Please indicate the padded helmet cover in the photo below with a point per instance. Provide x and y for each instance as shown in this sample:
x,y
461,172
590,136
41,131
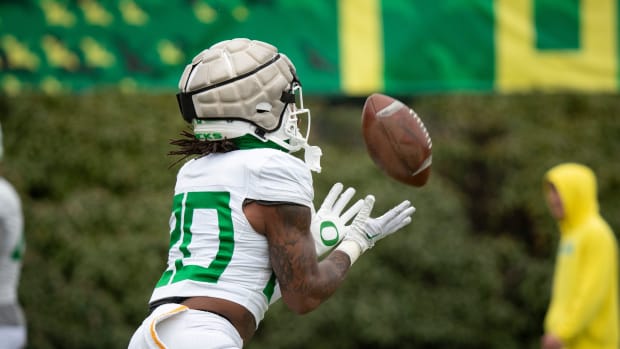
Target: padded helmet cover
x,y
238,79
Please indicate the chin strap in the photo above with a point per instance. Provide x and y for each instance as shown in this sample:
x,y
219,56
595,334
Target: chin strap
x,y
312,157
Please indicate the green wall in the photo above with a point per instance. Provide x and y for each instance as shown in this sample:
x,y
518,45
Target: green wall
x,y
344,47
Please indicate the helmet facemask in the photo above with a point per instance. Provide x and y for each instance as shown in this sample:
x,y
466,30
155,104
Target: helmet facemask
x,y
294,130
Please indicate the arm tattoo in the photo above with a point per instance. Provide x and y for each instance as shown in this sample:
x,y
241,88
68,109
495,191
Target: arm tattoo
x,y
294,259
286,248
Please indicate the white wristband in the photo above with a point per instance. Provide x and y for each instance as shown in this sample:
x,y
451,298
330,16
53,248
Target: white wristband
x,y
351,248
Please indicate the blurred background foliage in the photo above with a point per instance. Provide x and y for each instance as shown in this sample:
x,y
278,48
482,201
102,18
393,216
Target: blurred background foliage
x,y
472,271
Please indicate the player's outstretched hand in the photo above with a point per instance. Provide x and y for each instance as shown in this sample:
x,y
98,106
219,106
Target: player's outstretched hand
x,y
365,231
328,225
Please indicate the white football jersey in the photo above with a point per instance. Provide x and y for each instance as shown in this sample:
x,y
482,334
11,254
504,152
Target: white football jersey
x,y
214,251
11,242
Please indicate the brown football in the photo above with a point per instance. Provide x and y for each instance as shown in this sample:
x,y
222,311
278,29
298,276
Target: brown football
x,y
396,139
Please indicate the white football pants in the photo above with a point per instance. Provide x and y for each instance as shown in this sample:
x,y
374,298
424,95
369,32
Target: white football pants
x,y
12,337
175,326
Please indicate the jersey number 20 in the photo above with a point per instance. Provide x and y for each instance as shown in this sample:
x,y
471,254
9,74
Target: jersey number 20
x,y
183,208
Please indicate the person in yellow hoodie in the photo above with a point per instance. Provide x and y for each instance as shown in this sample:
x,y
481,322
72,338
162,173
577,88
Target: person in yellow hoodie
x,y
583,312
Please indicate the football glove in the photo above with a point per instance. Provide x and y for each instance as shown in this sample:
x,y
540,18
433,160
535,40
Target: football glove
x,y
364,232
328,226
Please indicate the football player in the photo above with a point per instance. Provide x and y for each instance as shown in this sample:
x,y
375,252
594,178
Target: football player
x,y
243,229
12,245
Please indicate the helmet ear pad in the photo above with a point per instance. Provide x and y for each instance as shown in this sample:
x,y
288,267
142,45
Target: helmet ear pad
x,y
238,79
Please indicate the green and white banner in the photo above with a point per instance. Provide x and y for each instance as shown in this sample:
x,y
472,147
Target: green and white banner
x,y
340,47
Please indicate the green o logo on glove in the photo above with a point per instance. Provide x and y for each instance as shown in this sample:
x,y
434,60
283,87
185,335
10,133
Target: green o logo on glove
x,y
329,233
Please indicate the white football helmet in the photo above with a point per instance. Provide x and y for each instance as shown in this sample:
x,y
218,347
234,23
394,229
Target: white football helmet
x,y
244,87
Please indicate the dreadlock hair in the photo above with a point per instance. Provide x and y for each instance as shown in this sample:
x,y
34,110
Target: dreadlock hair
x,y
189,145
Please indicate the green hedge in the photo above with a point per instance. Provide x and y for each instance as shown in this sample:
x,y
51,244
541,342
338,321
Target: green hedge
x,y
472,270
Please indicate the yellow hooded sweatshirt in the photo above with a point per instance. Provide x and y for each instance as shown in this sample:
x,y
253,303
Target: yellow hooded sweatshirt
x,y
584,302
